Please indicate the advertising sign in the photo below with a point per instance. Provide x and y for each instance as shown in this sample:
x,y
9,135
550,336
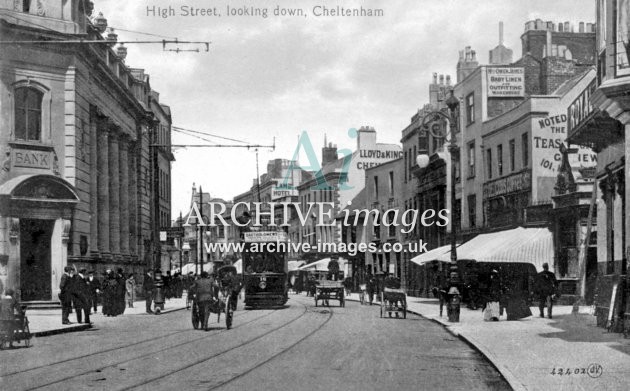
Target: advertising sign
x,y
265,236
279,192
505,82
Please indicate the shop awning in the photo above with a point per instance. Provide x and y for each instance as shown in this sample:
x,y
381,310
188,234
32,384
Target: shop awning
x,y
322,265
431,255
527,245
239,266
294,265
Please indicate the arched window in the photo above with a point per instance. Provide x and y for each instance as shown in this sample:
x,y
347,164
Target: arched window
x,y
28,114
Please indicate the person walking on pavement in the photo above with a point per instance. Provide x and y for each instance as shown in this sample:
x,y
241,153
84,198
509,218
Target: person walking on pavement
x,y
65,294
94,286
130,286
147,288
204,291
9,308
371,286
121,292
492,311
545,289
81,297
110,287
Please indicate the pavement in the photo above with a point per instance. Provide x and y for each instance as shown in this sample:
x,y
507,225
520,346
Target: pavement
x,y
568,352
48,322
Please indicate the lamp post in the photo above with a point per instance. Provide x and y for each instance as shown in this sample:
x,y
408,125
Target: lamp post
x,y
423,160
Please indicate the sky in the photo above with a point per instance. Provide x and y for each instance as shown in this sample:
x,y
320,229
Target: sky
x,y
279,76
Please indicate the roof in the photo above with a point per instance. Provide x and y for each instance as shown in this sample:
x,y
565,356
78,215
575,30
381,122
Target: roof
x,y
519,245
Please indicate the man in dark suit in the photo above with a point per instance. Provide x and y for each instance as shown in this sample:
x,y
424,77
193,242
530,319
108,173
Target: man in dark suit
x,y
65,294
94,288
147,287
81,296
545,288
204,290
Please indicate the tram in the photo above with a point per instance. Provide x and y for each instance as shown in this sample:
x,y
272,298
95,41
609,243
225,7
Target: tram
x,y
265,268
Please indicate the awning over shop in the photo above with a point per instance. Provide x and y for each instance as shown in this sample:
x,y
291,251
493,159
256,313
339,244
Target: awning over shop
x,y
431,255
322,265
239,266
528,245
295,265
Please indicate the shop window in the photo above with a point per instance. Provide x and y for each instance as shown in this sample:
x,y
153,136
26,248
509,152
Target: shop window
x,y
28,114
470,108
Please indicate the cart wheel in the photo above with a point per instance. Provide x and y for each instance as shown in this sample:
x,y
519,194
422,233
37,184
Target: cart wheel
x,y
229,312
195,316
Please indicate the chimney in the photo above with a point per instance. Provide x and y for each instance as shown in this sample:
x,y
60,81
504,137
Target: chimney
x,y
567,27
581,27
474,55
435,73
500,33
448,80
329,153
441,80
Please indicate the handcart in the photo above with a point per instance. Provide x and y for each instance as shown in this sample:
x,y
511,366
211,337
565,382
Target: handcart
x,y
393,301
327,290
15,331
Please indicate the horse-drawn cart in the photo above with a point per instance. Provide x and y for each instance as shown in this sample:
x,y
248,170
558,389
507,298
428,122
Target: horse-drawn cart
x,y
327,290
393,301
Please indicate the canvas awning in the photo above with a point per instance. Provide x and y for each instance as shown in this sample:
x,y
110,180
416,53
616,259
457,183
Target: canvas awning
x,y
239,266
322,265
295,265
431,255
526,245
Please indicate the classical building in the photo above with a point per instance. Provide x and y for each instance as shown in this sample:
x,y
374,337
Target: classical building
x,y
76,182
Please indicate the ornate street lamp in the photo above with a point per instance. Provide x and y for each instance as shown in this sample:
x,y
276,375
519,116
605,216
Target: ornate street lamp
x,y
423,160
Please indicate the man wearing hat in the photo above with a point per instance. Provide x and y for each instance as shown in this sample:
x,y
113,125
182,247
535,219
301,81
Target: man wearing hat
x,y
94,288
147,288
545,288
204,292
65,294
81,296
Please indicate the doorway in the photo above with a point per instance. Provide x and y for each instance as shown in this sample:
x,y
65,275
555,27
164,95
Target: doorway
x,y
35,259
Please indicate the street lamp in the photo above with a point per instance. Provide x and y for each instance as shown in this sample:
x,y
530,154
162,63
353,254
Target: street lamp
x,y
423,159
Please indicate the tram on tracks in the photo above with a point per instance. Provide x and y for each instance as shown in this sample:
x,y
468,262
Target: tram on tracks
x,y
265,268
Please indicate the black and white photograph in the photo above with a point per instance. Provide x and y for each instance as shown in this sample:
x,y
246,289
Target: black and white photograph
x,y
314,195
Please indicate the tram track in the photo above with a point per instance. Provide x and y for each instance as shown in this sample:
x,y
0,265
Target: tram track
x,y
215,355
127,346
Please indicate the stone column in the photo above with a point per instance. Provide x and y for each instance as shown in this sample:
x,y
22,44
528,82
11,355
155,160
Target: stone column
x,y
124,195
93,187
103,191
133,200
114,193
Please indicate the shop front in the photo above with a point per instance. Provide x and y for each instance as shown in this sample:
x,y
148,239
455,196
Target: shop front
x,y
35,221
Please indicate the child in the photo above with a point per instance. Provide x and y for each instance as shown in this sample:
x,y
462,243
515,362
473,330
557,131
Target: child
x,y
9,307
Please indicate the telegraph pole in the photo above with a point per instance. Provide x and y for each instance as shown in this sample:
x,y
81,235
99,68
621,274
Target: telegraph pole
x,y
200,240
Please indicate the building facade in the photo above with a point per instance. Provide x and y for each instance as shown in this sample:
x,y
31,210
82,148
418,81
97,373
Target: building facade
x,y
75,184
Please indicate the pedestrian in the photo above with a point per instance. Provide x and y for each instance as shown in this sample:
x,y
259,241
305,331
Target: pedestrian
x,y
9,308
492,311
121,292
371,287
94,289
168,285
204,291
516,294
545,289
65,294
147,288
110,287
130,294
81,297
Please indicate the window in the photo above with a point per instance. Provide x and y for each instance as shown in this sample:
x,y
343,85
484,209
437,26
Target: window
x,y
525,150
391,183
489,162
500,159
472,210
375,188
391,231
512,154
28,114
470,108
471,159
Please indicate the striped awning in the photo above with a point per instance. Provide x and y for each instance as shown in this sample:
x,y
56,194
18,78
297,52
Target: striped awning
x,y
431,255
519,245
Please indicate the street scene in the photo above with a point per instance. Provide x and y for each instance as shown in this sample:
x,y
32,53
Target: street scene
x,y
314,195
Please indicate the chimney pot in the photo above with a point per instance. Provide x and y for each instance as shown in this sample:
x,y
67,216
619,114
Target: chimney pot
x,y
581,27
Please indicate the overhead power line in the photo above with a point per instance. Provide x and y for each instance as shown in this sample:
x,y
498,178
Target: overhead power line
x,y
80,41
207,134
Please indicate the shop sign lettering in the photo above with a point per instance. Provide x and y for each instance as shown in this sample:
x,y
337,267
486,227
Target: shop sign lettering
x,y
507,185
31,159
505,82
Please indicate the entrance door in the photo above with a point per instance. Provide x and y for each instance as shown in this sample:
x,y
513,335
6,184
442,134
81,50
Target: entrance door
x,y
35,262
591,274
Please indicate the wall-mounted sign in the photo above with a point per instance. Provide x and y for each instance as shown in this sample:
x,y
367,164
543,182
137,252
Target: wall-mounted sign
x,y
505,82
31,159
581,107
279,192
513,183
265,236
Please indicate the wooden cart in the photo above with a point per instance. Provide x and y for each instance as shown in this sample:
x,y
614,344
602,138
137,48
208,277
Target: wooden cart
x,y
393,301
327,290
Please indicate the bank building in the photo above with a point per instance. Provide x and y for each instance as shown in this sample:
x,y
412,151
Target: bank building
x,y
80,181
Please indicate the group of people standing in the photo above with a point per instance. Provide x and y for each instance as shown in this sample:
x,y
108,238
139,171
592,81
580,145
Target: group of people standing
x,y
118,292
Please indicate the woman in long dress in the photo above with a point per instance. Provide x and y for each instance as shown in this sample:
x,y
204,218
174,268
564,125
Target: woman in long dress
x,y
110,289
